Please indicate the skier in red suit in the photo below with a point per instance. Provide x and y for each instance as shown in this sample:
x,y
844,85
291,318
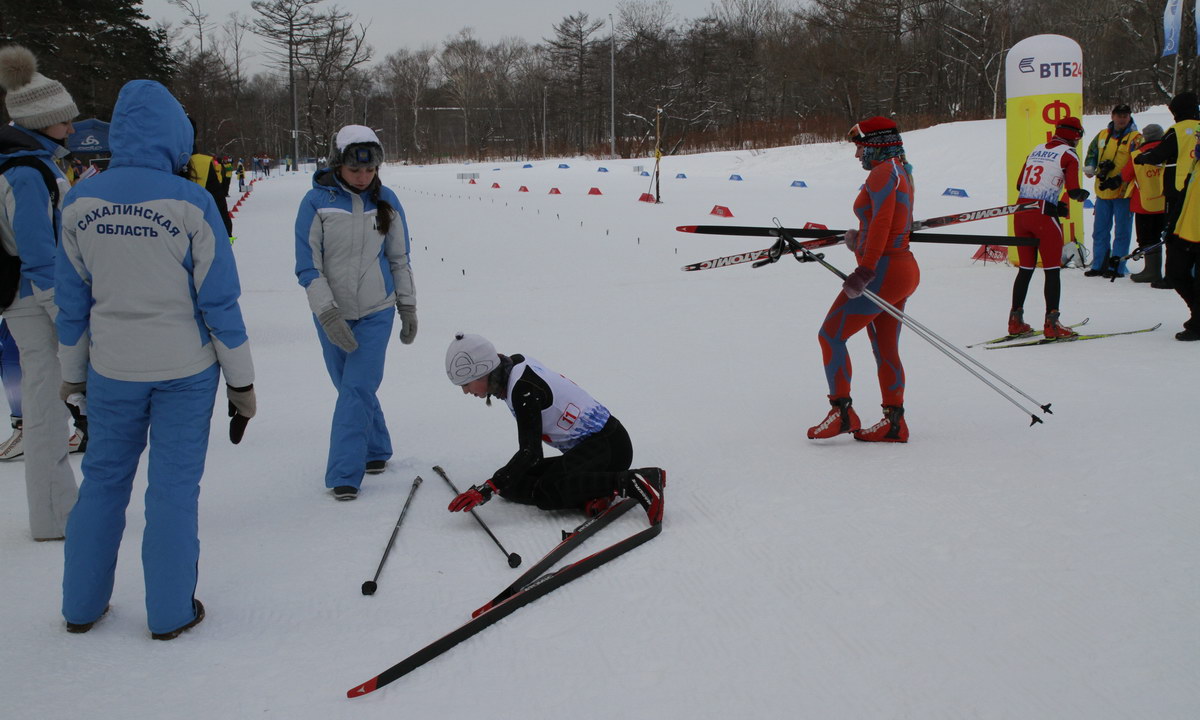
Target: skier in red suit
x,y
1049,169
887,268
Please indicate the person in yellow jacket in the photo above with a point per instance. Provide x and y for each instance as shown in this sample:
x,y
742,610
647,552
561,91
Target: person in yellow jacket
x,y
1174,154
1148,202
1107,155
1183,257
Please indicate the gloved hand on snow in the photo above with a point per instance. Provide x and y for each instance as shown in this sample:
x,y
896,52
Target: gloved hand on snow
x,y
472,498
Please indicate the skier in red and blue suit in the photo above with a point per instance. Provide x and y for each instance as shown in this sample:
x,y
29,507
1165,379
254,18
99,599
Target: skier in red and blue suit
x,y
887,268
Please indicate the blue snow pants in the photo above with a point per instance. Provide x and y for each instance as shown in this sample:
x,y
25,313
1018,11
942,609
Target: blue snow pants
x,y
359,433
1111,216
176,414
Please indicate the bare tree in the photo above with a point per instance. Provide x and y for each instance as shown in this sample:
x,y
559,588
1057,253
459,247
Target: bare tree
x,y
286,26
462,67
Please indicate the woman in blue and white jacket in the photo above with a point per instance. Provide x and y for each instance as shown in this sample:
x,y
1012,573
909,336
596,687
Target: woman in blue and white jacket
x,y
352,258
148,320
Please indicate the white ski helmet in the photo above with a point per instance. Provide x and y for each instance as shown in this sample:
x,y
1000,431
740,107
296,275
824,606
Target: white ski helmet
x,y
470,357
355,146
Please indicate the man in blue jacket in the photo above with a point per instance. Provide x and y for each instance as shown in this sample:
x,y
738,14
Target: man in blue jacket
x,y
31,189
146,273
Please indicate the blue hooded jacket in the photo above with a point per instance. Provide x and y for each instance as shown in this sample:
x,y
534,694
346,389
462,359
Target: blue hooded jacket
x,y
146,267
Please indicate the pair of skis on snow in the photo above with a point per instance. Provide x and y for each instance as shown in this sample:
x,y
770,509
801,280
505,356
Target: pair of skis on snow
x,y
1036,337
531,585
824,237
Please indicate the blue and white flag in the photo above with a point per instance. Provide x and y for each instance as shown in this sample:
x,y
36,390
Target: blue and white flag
x,y
1171,27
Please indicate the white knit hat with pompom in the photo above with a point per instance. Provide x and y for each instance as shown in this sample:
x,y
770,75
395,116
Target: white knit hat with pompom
x,y
33,100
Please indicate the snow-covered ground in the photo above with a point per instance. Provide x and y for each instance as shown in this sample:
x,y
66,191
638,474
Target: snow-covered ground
x,y
987,569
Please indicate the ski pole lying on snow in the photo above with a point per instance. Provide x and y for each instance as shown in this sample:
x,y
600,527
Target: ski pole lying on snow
x,y
949,350
513,559
369,587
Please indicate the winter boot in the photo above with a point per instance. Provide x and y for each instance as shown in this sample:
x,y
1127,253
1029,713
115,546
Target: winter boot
x,y
1163,283
10,449
180,630
1055,330
1153,269
375,467
891,428
841,419
79,628
345,492
596,506
646,486
1016,322
77,443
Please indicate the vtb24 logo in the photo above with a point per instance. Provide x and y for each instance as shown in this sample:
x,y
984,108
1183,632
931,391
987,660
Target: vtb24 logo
x,y
1065,68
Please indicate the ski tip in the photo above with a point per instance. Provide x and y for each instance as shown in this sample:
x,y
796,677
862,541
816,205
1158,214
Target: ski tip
x,y
359,691
482,610
686,228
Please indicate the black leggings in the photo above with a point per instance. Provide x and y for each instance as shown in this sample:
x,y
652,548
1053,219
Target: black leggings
x,y
593,468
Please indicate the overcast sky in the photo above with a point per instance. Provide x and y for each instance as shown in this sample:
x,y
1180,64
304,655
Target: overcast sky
x,y
395,25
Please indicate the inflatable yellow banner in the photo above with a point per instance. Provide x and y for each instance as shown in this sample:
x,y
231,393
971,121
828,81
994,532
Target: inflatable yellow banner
x,y
1044,83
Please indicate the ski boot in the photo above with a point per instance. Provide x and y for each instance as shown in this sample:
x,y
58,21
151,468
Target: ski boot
x,y
1054,330
841,419
891,428
646,486
1016,322
10,449
77,443
596,506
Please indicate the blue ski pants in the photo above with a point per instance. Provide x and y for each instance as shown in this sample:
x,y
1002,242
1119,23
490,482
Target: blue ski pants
x,y
176,415
359,433
1115,217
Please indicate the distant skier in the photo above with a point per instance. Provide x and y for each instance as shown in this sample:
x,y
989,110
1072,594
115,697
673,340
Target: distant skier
x,y
886,268
1051,167
593,469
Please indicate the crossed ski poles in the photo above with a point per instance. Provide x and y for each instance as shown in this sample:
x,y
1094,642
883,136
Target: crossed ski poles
x,y
789,244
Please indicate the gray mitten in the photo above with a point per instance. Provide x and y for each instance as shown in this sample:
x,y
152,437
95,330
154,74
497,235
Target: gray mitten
x,y
336,329
408,323
67,389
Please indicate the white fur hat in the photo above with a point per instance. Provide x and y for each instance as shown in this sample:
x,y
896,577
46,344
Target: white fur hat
x,y
470,357
34,100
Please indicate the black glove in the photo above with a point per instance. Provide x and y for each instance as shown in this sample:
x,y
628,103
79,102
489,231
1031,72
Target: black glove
x,y
1078,194
242,407
1064,209
1105,167
1141,159
1111,183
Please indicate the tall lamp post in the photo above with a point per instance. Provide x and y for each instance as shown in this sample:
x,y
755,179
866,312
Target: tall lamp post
x,y
612,87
